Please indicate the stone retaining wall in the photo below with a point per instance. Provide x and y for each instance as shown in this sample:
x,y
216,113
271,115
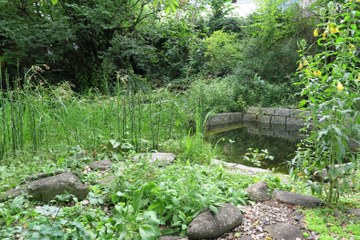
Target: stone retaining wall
x,y
281,122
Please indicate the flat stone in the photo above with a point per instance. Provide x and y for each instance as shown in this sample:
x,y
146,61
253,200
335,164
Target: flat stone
x,y
258,192
240,168
48,211
284,231
208,225
46,189
159,158
296,199
102,165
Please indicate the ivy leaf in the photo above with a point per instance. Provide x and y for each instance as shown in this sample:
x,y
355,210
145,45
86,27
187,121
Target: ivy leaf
x,y
54,2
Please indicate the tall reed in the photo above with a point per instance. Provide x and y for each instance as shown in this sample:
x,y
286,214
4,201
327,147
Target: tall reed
x,y
38,117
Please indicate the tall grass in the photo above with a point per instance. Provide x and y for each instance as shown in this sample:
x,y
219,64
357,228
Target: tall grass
x,y
37,117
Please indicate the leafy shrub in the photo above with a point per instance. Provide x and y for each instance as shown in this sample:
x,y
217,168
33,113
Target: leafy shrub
x,y
222,53
330,81
258,92
217,95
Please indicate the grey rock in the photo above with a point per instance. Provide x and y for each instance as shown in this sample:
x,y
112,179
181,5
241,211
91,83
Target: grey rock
x,y
355,212
239,168
296,199
102,165
208,225
258,192
158,158
46,189
48,211
13,193
284,231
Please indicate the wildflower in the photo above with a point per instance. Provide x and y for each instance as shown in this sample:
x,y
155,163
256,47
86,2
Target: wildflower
x,y
334,29
316,32
300,66
352,47
317,73
340,87
305,62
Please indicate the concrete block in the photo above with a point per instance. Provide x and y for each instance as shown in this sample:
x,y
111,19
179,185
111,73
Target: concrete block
x,y
295,121
264,119
249,117
236,117
278,127
268,111
276,120
282,112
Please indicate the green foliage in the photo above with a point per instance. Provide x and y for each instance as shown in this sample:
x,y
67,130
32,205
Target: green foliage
x,y
217,95
270,41
174,199
330,81
222,53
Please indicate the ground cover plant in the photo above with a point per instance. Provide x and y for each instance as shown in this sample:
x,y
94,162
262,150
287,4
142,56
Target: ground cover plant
x,y
86,81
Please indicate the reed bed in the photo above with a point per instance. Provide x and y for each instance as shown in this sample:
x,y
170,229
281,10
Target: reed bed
x,y
38,117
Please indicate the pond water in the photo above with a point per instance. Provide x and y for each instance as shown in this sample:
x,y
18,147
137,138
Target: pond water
x,y
235,140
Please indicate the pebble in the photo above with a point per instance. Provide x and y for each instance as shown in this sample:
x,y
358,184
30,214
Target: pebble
x,y
260,215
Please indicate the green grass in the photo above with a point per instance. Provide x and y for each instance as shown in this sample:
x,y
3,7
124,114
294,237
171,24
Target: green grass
x,y
332,224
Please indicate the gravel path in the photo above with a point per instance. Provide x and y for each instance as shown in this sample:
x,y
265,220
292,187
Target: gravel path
x,y
260,215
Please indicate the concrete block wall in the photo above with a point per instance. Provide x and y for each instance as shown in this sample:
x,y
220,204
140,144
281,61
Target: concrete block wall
x,y
280,122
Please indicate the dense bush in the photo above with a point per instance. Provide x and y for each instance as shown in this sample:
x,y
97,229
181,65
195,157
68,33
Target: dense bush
x,y
215,96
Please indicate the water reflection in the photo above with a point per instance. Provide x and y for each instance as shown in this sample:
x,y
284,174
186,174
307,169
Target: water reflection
x,y
235,140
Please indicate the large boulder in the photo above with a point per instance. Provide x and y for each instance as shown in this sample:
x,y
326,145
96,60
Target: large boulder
x,y
258,192
296,199
284,231
46,189
208,225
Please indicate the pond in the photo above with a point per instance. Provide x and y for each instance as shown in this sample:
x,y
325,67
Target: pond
x,y
235,140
